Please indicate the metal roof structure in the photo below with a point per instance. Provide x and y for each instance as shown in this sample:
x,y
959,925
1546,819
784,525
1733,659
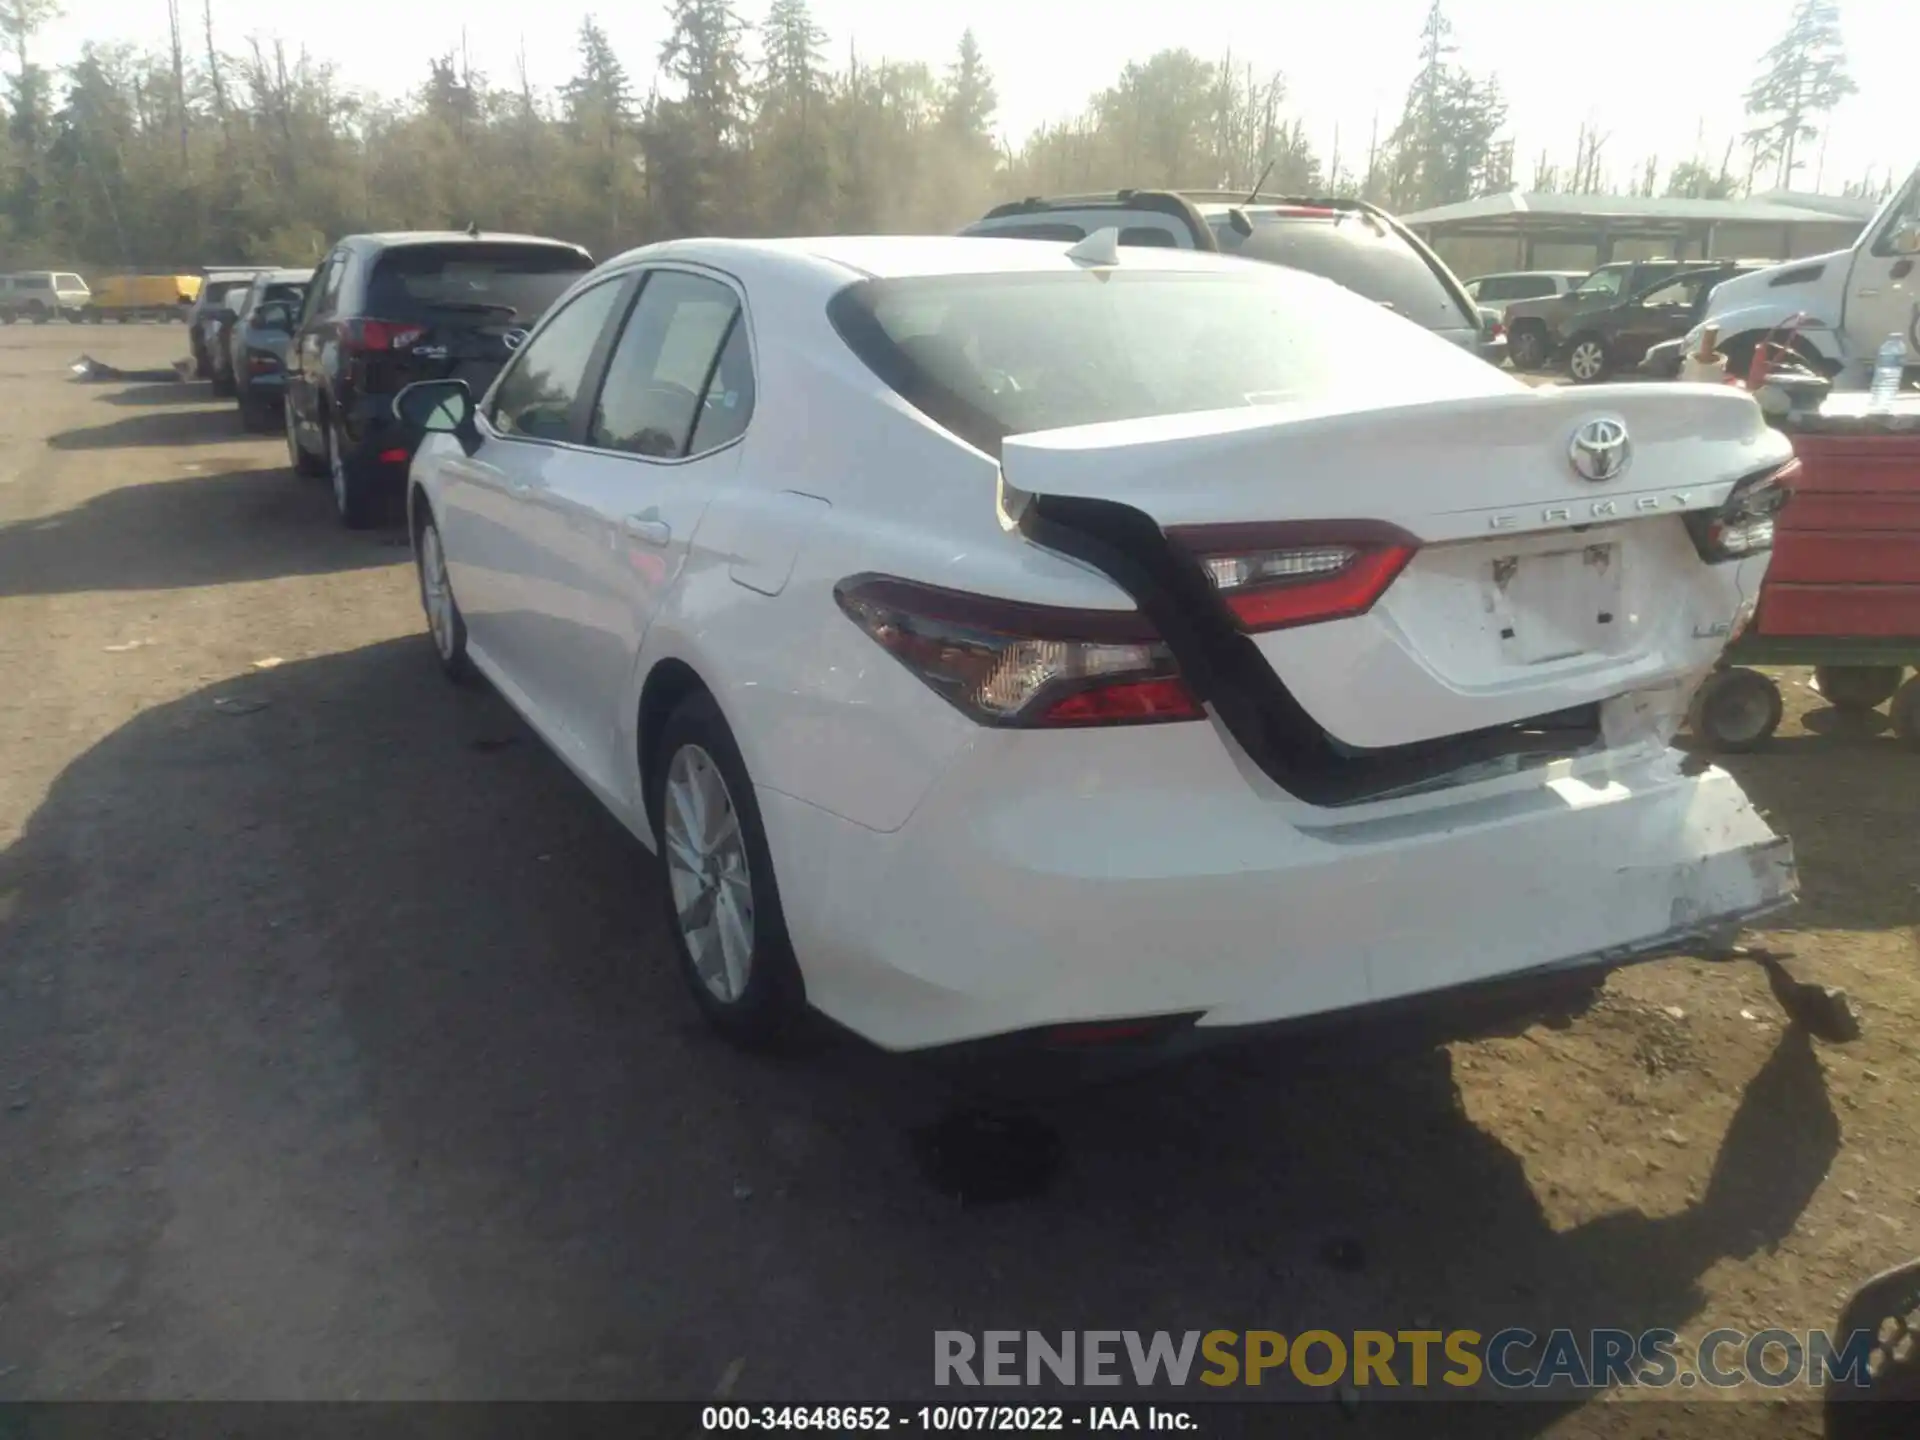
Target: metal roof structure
x,y
1778,208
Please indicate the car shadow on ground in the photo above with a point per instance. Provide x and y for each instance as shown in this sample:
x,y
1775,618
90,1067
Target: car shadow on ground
x,y
374,1006
191,531
168,392
204,426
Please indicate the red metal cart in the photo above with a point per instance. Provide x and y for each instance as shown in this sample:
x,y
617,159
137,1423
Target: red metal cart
x,y
1843,591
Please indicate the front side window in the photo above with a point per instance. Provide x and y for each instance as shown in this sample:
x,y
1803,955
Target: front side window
x,y
1900,232
680,381
1600,283
535,399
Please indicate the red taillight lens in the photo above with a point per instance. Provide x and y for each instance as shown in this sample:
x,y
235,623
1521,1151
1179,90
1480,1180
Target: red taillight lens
x,y
1743,526
377,335
1007,663
1274,576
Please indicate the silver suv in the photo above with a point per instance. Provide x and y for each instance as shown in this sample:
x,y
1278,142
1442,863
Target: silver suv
x,y
40,295
1347,241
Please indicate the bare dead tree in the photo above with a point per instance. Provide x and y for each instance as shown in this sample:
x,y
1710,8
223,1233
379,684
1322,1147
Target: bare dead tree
x,y
179,77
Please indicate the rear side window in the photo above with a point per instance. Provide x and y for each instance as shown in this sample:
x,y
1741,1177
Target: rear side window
x,y
1036,230
535,398
1355,251
679,381
439,282
69,282
988,356
223,292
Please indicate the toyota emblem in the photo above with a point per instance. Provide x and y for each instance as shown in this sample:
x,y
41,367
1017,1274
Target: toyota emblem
x,y
514,339
1601,451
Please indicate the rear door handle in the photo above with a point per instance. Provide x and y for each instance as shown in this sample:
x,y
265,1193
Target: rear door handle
x,y
648,530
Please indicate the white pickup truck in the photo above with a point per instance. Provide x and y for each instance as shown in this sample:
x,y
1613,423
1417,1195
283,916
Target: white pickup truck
x,y
1853,299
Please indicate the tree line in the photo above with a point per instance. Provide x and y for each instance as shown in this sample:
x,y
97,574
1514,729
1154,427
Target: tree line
x,y
202,153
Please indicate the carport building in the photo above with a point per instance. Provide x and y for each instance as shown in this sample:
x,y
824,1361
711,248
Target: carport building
x,y
1519,231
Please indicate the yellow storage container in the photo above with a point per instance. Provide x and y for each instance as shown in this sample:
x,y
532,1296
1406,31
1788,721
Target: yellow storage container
x,y
142,297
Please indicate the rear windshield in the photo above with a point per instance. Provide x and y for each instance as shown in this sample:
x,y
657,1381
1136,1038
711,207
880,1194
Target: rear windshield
x,y
1354,251
510,282
989,356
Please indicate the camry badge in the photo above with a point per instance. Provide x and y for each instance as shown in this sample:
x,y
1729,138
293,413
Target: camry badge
x,y
1600,451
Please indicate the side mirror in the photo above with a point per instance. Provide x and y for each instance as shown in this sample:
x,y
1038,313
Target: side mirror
x,y
439,407
1906,237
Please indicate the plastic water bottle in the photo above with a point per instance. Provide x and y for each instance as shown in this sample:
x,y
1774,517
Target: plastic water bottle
x,y
1889,368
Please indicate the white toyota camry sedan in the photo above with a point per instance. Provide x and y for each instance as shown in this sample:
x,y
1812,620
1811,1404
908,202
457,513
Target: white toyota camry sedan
x,y
1001,641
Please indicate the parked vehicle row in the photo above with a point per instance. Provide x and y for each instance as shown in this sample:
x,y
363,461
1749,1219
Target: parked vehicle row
x,y
1098,600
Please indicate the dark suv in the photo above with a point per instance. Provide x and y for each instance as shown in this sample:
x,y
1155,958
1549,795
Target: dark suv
x,y
1347,241
1619,336
1538,330
386,310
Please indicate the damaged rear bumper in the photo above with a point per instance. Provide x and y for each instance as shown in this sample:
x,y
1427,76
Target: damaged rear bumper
x,y
1147,872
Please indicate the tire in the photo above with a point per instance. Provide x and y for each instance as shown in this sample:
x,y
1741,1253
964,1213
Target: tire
x,y
1587,362
306,466
1527,347
1735,711
446,626
716,863
353,495
1905,712
38,316
1857,688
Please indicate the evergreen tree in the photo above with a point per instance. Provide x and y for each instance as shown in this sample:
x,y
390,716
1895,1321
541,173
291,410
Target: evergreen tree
x,y
1804,80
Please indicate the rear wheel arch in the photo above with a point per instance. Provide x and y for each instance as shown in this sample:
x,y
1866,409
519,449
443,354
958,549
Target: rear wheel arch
x,y
668,684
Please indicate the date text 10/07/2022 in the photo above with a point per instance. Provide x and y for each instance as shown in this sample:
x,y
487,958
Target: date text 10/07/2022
x,y
940,1419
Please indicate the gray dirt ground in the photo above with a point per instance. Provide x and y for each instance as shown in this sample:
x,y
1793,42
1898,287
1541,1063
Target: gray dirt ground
x,y
340,1055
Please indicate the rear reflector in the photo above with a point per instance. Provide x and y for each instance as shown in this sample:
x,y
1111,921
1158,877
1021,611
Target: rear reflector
x,y
1274,576
396,456
1011,664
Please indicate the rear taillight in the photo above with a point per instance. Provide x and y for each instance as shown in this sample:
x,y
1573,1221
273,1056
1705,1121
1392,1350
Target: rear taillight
x,y
1274,576
1743,526
380,335
1008,663
259,364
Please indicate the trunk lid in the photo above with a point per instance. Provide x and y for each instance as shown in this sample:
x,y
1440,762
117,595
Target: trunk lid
x,y
1534,590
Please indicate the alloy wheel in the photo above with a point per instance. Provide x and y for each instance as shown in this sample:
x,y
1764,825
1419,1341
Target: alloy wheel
x,y
436,594
1586,360
707,867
